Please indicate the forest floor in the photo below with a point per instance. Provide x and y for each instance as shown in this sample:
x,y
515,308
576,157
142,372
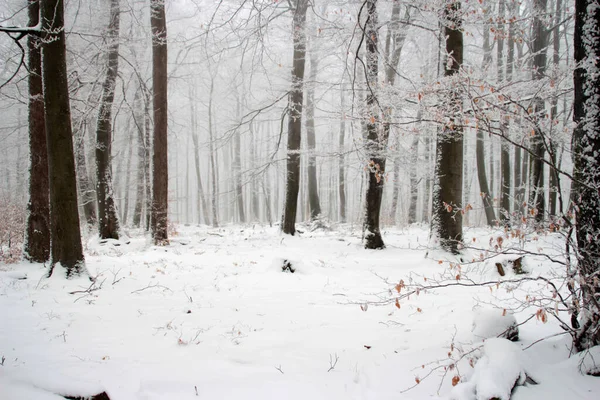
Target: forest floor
x,y
213,316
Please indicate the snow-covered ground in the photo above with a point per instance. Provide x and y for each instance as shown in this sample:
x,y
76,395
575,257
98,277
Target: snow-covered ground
x,y
212,316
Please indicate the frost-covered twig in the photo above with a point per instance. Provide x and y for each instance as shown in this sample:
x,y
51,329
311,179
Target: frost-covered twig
x,y
333,360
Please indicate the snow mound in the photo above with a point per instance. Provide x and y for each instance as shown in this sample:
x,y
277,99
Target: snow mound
x,y
496,373
491,323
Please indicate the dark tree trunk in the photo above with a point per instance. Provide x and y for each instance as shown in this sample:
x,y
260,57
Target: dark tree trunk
x,y
540,46
292,187
65,237
554,177
484,189
37,234
313,191
160,175
108,224
586,146
447,192
504,211
376,140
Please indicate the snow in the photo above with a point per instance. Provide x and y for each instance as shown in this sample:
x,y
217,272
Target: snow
x,y
496,373
490,323
213,316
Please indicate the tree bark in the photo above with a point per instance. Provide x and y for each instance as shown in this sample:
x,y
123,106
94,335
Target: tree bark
x,y
376,140
540,46
313,191
108,223
87,192
213,164
414,183
554,176
341,158
447,192
237,167
160,186
586,147
65,237
37,233
504,126
484,189
138,119
292,187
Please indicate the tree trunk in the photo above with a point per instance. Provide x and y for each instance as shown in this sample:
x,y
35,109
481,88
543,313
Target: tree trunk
x,y
376,140
341,157
396,182
586,146
37,234
447,192
128,172
313,192
213,164
414,183
160,186
147,159
292,187
108,224
484,189
202,204
539,49
427,192
237,168
65,237
86,190
138,118
504,211
554,177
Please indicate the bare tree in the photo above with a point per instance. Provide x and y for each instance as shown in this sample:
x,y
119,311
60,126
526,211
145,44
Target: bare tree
x,y
484,189
504,145
108,224
65,237
447,191
37,239
160,163
537,196
375,140
313,191
292,187
586,146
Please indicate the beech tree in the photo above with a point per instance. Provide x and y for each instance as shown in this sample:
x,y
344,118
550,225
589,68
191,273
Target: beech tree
x,y
292,187
65,237
446,223
160,163
37,233
376,139
108,223
586,186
